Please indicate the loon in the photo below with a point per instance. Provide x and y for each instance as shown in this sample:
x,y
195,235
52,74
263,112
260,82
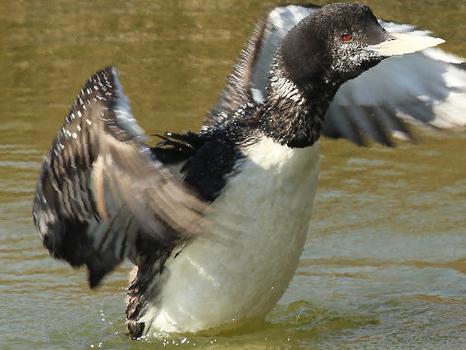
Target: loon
x,y
214,221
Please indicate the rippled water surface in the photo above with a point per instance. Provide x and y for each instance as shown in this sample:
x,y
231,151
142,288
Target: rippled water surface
x,y
385,262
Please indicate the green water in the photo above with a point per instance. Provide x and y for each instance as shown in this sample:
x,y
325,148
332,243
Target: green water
x,y
385,262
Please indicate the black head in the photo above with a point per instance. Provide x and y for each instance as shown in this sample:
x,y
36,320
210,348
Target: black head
x,y
336,43
331,44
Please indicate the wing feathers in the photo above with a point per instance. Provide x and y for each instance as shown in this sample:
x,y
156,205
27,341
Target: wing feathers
x,y
237,90
100,189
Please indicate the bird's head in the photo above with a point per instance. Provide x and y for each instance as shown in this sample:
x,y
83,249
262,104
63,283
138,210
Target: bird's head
x,y
340,41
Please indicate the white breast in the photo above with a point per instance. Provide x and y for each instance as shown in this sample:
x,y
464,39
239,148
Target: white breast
x,y
254,237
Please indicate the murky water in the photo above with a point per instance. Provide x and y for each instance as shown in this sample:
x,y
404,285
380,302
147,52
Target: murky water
x,y
385,263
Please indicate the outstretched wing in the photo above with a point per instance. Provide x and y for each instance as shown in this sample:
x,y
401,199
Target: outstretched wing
x,y
427,87
101,195
239,89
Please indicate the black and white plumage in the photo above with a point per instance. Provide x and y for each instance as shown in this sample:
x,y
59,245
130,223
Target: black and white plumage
x,y
101,194
427,87
214,221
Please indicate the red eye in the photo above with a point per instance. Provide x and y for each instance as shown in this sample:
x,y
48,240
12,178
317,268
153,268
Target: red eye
x,y
346,38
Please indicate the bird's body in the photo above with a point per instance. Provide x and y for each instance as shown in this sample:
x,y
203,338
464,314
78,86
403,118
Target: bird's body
x,y
215,221
261,193
251,245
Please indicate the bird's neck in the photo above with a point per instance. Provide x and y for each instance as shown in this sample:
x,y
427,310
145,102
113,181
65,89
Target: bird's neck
x,y
293,114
